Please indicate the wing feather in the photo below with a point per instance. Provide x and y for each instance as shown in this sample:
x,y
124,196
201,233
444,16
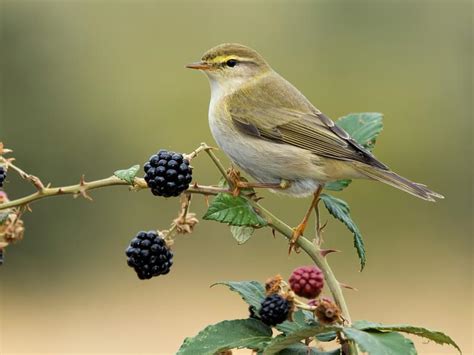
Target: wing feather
x,y
287,117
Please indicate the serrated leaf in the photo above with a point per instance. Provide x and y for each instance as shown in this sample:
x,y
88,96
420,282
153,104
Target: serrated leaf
x,y
378,343
329,336
241,234
226,335
282,341
302,349
252,292
128,174
235,211
437,337
340,210
338,185
301,319
363,127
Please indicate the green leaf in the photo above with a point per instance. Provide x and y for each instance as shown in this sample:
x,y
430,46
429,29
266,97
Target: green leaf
x,y
128,174
241,234
282,341
235,211
377,343
226,335
301,319
341,211
252,292
363,127
338,185
302,349
437,337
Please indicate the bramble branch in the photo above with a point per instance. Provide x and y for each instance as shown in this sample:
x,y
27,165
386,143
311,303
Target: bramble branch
x,y
313,249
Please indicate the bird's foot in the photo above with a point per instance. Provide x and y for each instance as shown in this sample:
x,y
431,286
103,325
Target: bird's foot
x,y
239,183
297,233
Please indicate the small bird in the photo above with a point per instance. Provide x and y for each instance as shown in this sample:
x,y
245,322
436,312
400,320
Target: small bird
x,y
270,130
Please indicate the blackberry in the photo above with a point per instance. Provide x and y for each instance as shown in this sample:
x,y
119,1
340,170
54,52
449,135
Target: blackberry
x,y
307,281
3,175
149,255
274,310
167,173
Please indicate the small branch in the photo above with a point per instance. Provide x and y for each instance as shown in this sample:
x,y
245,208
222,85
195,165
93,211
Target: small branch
x,y
76,190
219,166
24,175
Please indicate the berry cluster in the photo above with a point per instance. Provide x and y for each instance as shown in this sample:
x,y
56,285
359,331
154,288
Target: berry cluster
x,y
3,175
274,309
167,173
307,281
149,255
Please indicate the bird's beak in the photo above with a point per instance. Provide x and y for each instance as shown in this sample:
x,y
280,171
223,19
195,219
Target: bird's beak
x,y
199,66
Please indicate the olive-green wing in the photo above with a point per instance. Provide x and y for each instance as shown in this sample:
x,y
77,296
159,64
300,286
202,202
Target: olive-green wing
x,y
311,130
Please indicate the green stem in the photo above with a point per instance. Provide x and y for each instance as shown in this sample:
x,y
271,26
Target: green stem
x,y
77,190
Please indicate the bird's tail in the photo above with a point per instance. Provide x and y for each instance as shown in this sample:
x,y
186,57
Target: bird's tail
x,y
390,178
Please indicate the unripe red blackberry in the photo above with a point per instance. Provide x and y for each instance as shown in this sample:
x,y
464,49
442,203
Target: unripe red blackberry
x,y
167,173
274,310
149,255
3,175
307,281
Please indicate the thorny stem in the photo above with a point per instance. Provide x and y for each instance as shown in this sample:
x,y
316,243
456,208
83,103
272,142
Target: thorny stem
x,y
312,249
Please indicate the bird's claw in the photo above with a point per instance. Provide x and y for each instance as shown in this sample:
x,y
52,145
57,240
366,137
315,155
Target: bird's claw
x,y
297,233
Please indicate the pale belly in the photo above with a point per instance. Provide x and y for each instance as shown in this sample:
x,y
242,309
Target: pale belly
x,y
269,162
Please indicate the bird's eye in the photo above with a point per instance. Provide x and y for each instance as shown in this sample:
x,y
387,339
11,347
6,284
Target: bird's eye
x,y
231,63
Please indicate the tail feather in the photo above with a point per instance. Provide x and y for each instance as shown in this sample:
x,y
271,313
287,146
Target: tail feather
x,y
390,178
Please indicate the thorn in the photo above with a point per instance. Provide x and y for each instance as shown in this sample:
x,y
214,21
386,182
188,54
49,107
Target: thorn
x,y
60,191
325,252
83,180
28,207
274,233
206,198
321,229
85,195
348,286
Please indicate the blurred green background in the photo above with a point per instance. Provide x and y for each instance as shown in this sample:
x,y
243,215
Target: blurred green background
x,y
94,86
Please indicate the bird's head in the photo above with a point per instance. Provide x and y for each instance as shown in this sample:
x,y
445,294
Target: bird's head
x,y
231,64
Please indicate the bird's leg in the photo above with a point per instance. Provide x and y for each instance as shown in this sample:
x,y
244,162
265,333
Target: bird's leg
x,y
299,230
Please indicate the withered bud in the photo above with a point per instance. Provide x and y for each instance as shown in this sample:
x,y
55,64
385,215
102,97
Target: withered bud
x,y
273,284
12,228
186,225
327,311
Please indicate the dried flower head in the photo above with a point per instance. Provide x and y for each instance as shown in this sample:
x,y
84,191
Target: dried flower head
x,y
327,311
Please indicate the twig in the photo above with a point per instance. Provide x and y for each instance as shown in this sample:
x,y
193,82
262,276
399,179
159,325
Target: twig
x,y
24,175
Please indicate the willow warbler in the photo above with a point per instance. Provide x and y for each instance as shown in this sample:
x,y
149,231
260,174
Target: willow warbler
x,y
270,130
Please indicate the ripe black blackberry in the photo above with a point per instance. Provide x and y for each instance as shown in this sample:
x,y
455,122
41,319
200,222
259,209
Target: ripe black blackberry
x,y
149,255
167,173
3,175
274,309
